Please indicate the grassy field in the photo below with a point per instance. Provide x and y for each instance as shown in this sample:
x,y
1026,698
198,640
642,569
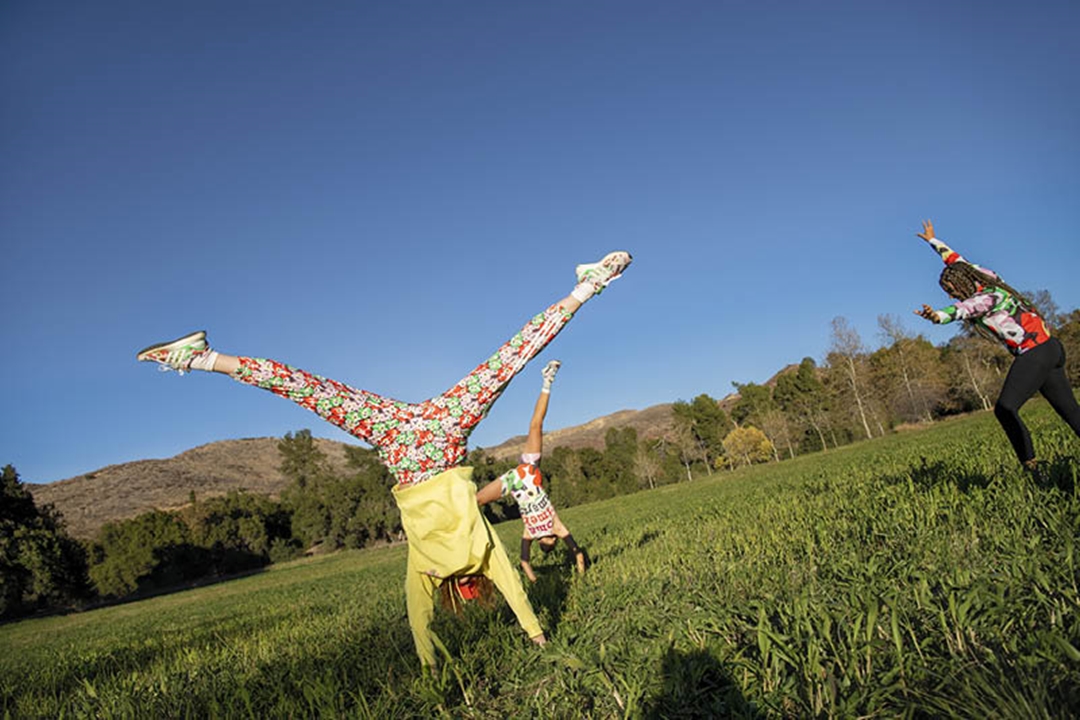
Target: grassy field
x,y
920,575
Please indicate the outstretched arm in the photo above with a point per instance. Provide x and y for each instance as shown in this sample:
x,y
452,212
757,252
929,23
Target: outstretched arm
x,y
948,255
975,306
490,492
929,313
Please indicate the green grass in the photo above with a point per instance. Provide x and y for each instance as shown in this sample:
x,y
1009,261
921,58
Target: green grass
x,y
920,575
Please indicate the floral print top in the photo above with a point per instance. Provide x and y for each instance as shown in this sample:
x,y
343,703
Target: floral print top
x,y
1018,326
525,483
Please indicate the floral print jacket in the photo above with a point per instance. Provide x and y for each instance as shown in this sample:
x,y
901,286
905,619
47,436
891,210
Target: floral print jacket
x,y
1018,326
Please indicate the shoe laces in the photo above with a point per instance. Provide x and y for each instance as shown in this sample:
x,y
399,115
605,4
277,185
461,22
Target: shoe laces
x,y
178,360
601,275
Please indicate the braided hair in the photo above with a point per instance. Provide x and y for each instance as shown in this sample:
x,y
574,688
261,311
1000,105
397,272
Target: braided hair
x,y
967,280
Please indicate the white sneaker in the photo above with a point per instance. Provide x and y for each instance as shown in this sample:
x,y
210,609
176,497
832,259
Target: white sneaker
x,y
601,274
176,354
549,372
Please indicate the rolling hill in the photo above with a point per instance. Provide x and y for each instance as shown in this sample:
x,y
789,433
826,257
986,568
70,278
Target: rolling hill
x,y
121,491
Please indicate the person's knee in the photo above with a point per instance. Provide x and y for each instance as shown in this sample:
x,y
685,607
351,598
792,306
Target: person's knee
x,y
1006,410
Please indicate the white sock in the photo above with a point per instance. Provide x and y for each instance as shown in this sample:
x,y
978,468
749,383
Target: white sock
x,y
204,361
583,291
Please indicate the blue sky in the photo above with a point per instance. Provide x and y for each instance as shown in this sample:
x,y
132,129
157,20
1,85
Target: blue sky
x,y
383,192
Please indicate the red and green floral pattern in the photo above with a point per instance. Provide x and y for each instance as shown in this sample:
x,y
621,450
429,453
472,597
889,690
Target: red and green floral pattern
x,y
416,441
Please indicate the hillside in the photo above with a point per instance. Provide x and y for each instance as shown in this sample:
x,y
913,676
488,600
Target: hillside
x,y
652,422
125,490
121,491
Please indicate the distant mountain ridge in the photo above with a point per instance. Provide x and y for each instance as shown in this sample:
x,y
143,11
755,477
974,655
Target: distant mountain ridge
x,y
117,492
652,422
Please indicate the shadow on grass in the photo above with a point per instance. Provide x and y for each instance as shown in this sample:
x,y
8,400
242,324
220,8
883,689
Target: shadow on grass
x,y
927,475
697,685
147,590
644,539
1059,473
549,592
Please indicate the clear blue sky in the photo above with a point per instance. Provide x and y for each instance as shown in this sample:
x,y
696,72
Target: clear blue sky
x,y
382,192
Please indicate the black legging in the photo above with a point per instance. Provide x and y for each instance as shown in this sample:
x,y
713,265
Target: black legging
x,y
1042,368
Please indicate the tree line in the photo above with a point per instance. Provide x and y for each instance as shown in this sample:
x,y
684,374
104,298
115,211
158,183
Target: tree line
x,y
855,393
42,567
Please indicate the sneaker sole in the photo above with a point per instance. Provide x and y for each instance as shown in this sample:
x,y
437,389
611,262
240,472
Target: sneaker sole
x,y
629,259
185,340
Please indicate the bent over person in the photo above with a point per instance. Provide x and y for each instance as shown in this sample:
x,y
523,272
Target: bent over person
x,y
995,309
452,549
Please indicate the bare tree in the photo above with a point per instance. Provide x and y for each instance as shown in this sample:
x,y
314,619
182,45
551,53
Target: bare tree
x,y
646,464
847,351
686,444
893,332
775,425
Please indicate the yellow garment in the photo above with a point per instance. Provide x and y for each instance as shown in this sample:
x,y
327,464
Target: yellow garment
x,y
448,535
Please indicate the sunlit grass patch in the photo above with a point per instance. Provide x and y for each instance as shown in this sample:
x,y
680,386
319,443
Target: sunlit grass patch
x,y
922,574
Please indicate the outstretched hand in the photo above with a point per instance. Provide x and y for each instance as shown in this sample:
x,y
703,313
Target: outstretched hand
x,y
928,312
927,233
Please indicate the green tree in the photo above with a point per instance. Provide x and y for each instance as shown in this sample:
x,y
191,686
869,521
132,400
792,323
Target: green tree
x,y
152,549
564,474
757,407
620,451
40,565
755,401
706,423
368,512
746,446
301,459
240,530
307,467
801,395
594,485
907,372
333,510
